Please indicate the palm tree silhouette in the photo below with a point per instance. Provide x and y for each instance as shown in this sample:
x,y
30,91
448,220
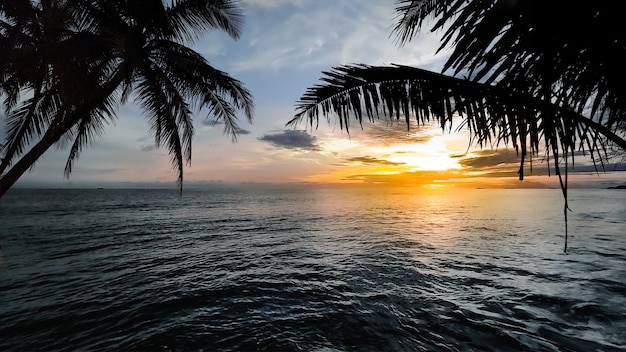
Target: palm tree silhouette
x,y
539,79
67,65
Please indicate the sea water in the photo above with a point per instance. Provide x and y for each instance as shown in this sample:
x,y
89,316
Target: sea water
x,y
310,269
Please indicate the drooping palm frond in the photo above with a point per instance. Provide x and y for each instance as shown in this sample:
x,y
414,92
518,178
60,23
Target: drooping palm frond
x,y
76,61
168,114
89,127
223,96
190,17
27,123
88,120
532,73
492,114
207,87
47,60
412,14
577,54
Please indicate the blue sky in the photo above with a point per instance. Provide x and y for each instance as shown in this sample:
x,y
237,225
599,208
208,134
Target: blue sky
x,y
284,46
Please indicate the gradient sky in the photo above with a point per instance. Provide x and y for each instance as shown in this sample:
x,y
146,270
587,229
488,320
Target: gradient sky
x,y
284,47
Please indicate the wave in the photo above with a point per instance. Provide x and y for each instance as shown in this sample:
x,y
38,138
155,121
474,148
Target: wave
x,y
301,276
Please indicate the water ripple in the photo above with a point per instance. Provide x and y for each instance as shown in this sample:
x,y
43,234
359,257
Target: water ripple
x,y
331,272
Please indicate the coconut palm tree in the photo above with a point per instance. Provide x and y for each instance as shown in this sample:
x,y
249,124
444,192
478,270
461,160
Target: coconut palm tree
x,y
539,78
67,65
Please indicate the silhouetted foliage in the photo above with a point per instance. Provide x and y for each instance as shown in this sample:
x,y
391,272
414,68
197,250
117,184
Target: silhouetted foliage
x,y
540,78
65,66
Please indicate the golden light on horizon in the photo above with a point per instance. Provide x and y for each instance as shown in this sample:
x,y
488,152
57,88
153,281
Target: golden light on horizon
x,y
408,161
429,158
432,155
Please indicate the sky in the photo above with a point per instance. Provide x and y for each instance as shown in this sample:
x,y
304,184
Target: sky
x,y
284,47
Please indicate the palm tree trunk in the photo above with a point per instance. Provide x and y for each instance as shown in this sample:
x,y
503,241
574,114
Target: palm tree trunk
x,y
60,126
28,160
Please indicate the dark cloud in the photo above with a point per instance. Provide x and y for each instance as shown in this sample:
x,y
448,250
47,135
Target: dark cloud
x,y
368,160
96,170
505,161
489,158
241,131
212,122
215,122
145,138
148,148
291,139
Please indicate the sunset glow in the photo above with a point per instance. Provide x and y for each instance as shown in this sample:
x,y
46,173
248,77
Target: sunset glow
x,y
432,155
422,159
278,64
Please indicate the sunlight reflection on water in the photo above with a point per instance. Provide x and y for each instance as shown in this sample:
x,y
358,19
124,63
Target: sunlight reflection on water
x,y
312,269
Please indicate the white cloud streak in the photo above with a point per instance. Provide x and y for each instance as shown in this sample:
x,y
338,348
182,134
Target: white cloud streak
x,y
287,34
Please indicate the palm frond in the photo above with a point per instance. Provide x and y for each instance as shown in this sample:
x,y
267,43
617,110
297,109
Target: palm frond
x,y
87,129
66,65
223,97
90,125
411,15
491,113
27,123
168,113
207,87
533,73
191,17
518,44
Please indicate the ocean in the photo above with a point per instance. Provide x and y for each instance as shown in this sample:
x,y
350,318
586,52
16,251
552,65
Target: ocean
x,y
312,269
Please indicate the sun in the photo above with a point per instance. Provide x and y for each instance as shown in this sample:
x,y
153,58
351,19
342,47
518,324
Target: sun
x,y
426,163
432,155
423,160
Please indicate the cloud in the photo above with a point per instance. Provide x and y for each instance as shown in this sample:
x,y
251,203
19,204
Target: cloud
x,y
148,148
292,139
490,158
145,138
282,34
211,122
368,160
506,162
216,122
97,170
241,131
264,4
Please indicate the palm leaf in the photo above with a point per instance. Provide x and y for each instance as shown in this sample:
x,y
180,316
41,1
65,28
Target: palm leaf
x,y
21,125
189,17
580,53
206,87
167,112
492,114
27,123
90,125
76,61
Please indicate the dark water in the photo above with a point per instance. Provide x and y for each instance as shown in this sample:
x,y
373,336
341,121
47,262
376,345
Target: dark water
x,y
312,270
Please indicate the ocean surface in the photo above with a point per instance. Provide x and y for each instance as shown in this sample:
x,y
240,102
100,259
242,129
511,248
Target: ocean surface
x,y
304,269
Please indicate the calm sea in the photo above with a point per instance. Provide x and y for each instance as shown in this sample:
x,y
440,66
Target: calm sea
x,y
296,269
